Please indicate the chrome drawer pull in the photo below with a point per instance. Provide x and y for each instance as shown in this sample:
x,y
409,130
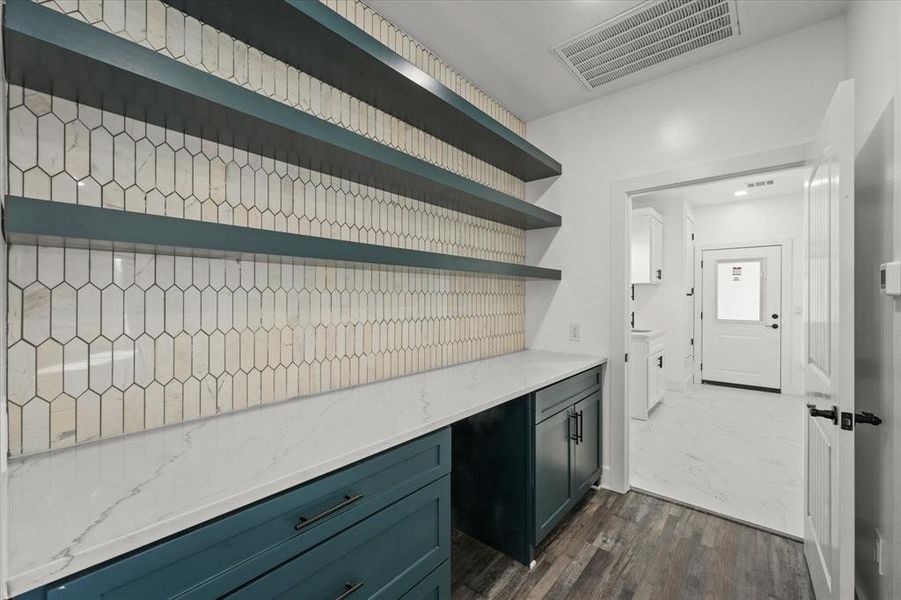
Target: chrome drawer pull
x,y
349,588
306,521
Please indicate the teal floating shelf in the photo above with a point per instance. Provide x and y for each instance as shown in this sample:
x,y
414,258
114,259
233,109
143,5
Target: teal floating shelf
x,y
41,222
51,52
318,41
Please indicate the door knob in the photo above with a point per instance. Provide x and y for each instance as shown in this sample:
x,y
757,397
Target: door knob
x,y
867,417
775,326
824,413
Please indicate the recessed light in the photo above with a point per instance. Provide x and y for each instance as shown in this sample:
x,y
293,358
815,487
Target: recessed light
x,y
741,193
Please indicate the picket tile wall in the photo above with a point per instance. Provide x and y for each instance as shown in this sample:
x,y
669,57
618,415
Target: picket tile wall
x,y
104,343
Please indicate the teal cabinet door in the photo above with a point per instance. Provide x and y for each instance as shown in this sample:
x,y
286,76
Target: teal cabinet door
x,y
553,469
587,445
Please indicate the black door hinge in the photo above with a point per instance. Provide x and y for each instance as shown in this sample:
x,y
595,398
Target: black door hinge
x,y
702,264
692,237
627,357
692,341
633,291
702,314
702,366
633,319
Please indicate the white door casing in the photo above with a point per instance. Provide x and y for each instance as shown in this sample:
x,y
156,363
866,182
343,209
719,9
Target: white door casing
x,y
829,350
689,293
743,319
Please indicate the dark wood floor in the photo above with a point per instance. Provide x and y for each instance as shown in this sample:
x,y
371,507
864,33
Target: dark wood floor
x,y
638,547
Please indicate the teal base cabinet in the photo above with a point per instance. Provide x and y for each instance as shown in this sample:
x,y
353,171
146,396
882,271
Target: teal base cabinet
x,y
567,447
520,468
377,529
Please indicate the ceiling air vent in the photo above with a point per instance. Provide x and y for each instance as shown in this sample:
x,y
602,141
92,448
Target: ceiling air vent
x,y
647,35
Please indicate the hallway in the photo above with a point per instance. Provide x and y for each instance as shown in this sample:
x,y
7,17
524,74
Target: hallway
x,y
730,451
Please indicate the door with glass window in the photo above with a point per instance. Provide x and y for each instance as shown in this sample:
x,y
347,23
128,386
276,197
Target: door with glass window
x,y
741,317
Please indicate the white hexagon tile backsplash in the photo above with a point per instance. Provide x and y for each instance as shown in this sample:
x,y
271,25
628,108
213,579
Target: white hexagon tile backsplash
x,y
103,343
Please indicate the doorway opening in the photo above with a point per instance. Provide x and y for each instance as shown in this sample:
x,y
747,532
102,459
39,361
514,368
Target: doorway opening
x,y
715,360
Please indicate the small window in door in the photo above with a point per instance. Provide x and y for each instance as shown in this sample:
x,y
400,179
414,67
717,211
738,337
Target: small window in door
x,y
739,290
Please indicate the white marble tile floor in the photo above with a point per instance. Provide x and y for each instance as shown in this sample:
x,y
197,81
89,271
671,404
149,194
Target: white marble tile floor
x,y
734,452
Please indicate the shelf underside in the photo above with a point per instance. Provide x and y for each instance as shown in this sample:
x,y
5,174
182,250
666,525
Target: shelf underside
x,y
30,221
54,53
319,41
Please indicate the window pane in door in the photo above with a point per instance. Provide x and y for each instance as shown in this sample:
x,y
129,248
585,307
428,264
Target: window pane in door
x,y
738,296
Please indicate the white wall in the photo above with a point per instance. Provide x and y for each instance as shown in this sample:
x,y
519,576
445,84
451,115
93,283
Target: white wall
x,y
661,306
777,218
768,96
873,60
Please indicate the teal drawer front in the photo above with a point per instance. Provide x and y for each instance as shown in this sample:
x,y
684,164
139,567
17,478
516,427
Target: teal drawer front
x,y
382,557
554,398
436,586
217,557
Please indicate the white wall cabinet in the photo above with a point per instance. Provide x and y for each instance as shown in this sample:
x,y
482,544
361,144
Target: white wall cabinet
x,y
647,379
647,246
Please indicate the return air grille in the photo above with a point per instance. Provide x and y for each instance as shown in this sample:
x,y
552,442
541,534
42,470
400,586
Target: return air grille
x,y
648,35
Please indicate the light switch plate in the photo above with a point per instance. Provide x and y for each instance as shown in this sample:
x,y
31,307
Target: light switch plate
x,y
575,332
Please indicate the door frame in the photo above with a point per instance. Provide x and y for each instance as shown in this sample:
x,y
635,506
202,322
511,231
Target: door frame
x,y
788,382
616,407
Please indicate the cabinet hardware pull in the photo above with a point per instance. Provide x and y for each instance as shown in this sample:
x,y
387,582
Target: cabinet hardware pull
x,y
349,588
307,521
574,427
581,421
660,361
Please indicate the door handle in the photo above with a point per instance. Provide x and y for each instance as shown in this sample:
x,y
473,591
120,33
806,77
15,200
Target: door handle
x,y
867,417
824,413
574,427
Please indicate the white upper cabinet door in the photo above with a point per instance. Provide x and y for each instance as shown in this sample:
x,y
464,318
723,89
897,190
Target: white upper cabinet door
x,y
647,246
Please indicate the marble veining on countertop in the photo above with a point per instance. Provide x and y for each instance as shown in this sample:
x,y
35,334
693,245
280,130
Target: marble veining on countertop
x,y
74,508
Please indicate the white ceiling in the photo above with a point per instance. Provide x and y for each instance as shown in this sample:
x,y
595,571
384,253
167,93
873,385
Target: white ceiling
x,y
504,46
789,182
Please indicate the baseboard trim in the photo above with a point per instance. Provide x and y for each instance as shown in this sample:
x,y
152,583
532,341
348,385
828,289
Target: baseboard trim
x,y
607,485
754,388
789,536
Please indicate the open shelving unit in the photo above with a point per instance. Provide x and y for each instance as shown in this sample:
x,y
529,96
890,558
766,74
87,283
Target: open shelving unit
x,y
317,40
54,53
31,221
51,52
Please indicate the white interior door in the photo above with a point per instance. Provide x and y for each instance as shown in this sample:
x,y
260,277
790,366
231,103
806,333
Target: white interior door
x,y
742,317
829,351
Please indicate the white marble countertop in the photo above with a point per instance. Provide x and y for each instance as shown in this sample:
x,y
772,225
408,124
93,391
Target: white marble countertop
x,y
74,508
